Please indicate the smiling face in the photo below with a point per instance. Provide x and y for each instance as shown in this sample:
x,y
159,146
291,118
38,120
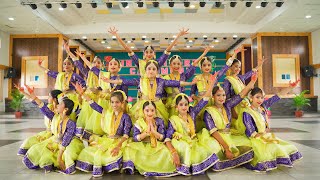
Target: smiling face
x,y
116,104
235,68
206,66
61,107
257,100
151,70
149,111
176,64
219,97
114,66
148,54
183,106
67,66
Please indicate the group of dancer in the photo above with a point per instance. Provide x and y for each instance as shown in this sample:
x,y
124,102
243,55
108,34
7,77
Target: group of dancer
x,y
90,126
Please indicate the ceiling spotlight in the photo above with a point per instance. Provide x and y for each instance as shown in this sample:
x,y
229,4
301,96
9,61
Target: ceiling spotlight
x,y
224,38
132,47
153,39
78,5
108,47
124,4
171,40
11,18
248,4
128,41
186,4
235,36
93,5
109,4
166,38
146,41
84,37
212,46
188,46
258,7
144,36
202,4
143,39
123,39
171,4
308,16
218,4
33,6
233,4
140,4
279,4
264,4
104,39
205,36
94,39
192,6
133,39
216,40
61,9
155,4
63,4
48,5
190,40
103,42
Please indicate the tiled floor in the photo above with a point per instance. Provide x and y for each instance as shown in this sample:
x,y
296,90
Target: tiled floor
x,y
304,133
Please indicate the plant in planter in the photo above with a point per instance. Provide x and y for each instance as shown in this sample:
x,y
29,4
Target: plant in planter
x,y
16,102
299,101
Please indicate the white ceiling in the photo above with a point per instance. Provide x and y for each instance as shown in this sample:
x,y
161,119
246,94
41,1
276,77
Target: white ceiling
x,y
210,21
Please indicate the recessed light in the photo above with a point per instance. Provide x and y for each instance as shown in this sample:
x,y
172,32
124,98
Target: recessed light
x,y
144,36
127,7
103,42
171,40
128,41
108,47
146,41
258,7
84,37
192,6
188,46
11,18
235,36
190,40
132,47
113,37
204,36
212,46
61,9
308,16
216,41
174,36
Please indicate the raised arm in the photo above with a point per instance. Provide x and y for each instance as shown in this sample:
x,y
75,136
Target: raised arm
x,y
114,32
182,32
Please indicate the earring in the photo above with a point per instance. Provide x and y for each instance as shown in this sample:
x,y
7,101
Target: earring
x,y
250,100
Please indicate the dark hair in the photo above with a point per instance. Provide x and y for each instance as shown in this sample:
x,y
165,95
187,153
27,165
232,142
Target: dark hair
x,y
255,91
174,57
205,58
179,98
68,104
54,93
235,61
70,60
214,90
147,103
145,48
118,95
154,62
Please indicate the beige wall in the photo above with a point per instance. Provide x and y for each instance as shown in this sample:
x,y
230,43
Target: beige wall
x,y
4,60
316,60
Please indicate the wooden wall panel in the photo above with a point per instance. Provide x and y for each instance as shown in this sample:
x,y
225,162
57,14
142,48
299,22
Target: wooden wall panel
x,y
35,47
254,50
284,45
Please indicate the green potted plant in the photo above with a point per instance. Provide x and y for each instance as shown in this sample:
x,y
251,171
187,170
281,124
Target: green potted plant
x,y
16,102
299,101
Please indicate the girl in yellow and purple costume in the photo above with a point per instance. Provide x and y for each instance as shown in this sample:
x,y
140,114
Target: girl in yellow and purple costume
x,y
104,154
148,154
175,67
269,151
185,144
43,135
62,149
152,88
231,150
199,89
148,53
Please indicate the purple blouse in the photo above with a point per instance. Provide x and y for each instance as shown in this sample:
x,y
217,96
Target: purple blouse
x,y
125,122
76,78
222,71
187,75
70,127
121,87
248,120
193,112
161,84
160,129
81,68
228,87
228,105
